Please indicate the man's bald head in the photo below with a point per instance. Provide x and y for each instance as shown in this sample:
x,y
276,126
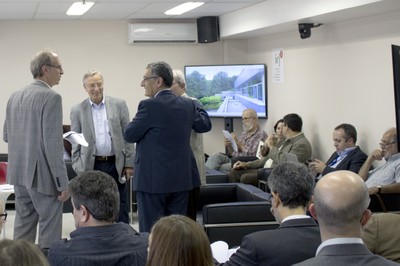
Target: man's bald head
x,y
340,201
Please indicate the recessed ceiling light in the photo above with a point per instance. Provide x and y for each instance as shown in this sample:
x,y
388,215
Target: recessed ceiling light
x,y
79,8
178,10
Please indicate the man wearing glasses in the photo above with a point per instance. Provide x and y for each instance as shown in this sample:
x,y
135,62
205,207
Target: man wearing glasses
x,y
384,178
165,168
247,143
102,120
36,168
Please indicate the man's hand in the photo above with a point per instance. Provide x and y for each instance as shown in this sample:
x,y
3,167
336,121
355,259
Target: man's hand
x,y
317,166
64,196
128,172
377,154
239,165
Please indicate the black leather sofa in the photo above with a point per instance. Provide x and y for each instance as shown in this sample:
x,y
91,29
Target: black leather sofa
x,y
233,210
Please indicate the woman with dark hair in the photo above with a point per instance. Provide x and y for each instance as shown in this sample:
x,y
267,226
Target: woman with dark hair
x,y
177,240
247,172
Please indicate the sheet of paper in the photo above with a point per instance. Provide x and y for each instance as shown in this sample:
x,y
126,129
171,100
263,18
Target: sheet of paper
x,y
221,251
75,138
260,146
228,136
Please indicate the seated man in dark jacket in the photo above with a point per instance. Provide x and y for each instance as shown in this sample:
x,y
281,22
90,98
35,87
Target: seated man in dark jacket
x,y
298,237
347,156
98,239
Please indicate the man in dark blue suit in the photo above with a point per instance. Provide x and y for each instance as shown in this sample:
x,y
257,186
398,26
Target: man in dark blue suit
x,y
347,156
165,169
298,237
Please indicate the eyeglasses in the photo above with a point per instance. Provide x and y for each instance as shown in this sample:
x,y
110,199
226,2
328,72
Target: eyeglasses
x,y
152,77
383,144
94,85
247,118
4,216
50,65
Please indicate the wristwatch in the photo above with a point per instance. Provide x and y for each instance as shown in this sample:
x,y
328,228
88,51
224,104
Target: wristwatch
x,y
379,189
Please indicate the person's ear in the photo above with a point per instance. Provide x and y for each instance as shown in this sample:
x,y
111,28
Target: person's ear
x,y
311,209
85,214
276,198
365,217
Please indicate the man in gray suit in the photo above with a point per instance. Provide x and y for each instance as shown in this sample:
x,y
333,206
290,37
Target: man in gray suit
x,y
340,205
102,120
33,131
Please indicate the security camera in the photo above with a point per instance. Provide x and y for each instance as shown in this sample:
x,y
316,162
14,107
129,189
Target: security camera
x,y
305,29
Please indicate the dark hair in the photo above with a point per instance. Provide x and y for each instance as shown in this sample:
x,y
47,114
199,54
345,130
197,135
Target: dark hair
x,y
163,70
98,192
293,121
178,240
293,182
349,131
46,57
277,123
21,253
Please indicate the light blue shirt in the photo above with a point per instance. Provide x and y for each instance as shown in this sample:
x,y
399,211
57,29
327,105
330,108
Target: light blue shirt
x,y
104,145
386,174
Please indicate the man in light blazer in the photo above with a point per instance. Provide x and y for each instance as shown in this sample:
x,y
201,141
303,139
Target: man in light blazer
x,y
340,205
102,121
297,237
165,168
347,156
33,131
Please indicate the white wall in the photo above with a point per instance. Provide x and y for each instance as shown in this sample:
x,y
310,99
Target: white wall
x,y
343,73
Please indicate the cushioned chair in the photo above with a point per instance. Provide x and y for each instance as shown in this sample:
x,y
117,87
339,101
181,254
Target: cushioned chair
x,y
231,211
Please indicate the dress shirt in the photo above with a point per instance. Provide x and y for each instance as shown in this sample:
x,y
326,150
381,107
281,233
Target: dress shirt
x,y
298,216
250,142
339,240
386,174
341,156
104,145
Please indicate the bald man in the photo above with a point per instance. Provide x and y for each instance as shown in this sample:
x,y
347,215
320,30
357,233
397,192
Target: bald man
x,y
340,205
385,178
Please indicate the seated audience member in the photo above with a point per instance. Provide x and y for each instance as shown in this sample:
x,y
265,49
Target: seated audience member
x,y
177,240
246,172
98,240
381,235
297,237
385,178
3,216
347,156
296,143
341,207
247,143
21,253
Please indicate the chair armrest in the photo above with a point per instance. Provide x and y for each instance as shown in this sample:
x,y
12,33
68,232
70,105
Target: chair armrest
x,y
385,202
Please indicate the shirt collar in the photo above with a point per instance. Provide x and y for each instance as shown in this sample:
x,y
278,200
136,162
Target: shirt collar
x,y
100,104
338,241
297,216
161,91
346,151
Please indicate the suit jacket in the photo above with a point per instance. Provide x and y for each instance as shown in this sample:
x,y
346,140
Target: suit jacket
x,y
33,131
82,122
346,254
164,162
294,241
352,162
381,235
298,145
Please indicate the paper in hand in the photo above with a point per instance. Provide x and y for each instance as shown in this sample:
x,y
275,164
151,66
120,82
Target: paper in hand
x,y
228,136
260,146
75,138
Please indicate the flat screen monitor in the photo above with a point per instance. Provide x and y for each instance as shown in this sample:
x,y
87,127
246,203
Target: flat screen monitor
x,y
226,90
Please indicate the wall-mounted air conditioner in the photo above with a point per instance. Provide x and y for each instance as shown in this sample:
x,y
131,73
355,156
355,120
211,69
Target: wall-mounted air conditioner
x,y
182,32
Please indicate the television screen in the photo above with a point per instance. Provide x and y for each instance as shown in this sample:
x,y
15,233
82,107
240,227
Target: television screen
x,y
226,90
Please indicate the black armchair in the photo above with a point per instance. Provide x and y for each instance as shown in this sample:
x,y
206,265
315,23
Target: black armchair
x,y
385,202
233,210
